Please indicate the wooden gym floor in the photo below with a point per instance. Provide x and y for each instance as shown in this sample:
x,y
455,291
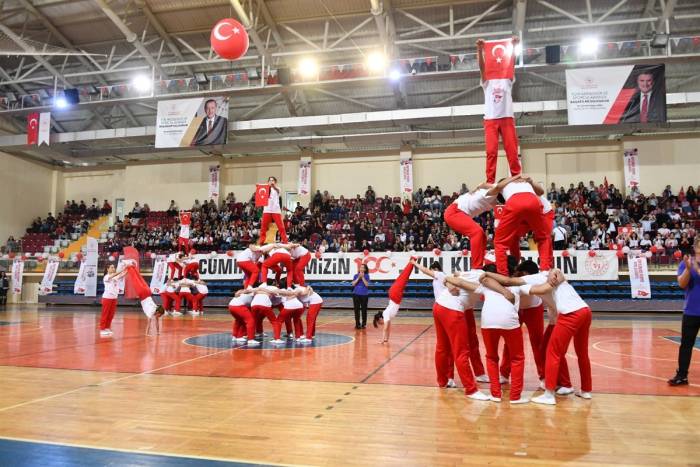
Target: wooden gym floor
x,y
69,397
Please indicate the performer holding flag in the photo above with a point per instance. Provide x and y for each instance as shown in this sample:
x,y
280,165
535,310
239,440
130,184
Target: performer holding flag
x,y
272,210
497,67
183,240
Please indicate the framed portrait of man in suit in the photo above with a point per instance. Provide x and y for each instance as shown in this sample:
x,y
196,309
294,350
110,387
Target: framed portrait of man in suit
x,y
648,102
201,121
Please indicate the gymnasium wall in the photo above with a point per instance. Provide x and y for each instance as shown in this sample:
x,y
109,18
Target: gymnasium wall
x,y
26,191
663,161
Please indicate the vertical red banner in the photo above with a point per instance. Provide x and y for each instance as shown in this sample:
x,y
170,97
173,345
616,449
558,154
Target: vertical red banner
x,y
33,128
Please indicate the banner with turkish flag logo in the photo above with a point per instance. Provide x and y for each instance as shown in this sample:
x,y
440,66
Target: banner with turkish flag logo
x,y
262,195
499,60
33,128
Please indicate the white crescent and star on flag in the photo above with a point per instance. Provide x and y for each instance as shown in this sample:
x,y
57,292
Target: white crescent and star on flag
x,y
218,33
499,58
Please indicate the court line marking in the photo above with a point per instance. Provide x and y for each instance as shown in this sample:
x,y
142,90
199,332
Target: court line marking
x,y
147,453
638,374
595,346
373,372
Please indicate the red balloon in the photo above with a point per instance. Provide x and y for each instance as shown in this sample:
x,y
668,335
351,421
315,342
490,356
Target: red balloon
x,y
229,253
61,254
591,253
619,254
465,252
437,251
653,249
677,254
229,39
366,252
565,253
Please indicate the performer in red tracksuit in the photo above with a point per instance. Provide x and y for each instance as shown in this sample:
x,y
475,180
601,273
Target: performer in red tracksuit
x,y
185,292
459,216
191,269
176,261
279,255
247,260
314,302
183,240
395,296
452,343
170,298
292,308
523,206
573,322
198,299
244,321
109,299
272,212
143,292
498,117
300,257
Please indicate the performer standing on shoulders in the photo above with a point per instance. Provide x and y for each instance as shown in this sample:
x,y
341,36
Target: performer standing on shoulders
x,y
272,212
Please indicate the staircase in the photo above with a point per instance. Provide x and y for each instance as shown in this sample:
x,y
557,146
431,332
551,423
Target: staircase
x,y
96,229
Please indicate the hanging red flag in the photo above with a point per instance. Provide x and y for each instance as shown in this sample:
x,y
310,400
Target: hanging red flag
x,y
33,128
262,194
499,59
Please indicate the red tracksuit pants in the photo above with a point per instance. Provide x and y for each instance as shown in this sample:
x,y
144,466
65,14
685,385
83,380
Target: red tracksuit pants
x,y
170,300
452,342
198,302
533,318
191,270
175,270
463,224
243,323
574,326
299,265
286,314
521,208
189,299
564,379
311,316
506,128
265,223
397,288
279,258
514,342
109,308
250,273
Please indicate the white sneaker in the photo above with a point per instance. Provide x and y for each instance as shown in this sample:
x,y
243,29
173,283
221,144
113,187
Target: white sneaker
x,y
542,386
175,314
522,400
562,391
479,396
306,341
253,343
110,332
547,399
503,380
290,337
260,336
234,340
494,399
483,379
168,313
300,340
277,342
242,340
451,383
193,313
584,395
105,333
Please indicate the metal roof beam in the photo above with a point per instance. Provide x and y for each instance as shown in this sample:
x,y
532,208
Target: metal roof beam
x,y
162,33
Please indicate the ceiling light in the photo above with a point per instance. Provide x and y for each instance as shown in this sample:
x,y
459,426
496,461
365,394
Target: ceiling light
x,y
308,68
60,102
376,62
518,48
395,74
588,45
142,83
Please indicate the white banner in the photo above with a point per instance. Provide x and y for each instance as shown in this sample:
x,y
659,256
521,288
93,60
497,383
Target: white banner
x,y
44,128
80,280
304,178
616,94
386,265
639,277
91,268
406,175
17,271
214,183
49,276
160,274
199,121
631,167
122,280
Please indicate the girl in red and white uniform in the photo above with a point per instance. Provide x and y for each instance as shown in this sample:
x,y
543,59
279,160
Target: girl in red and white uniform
x,y
300,258
314,302
435,272
248,260
452,342
170,298
292,308
573,322
544,235
176,262
279,255
272,212
243,331
395,296
522,207
185,287
499,319
261,305
459,216
191,269
143,292
109,299
198,298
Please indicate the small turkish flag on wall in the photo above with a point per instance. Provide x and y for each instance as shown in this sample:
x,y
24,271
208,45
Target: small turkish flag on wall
x,y
262,194
33,128
499,59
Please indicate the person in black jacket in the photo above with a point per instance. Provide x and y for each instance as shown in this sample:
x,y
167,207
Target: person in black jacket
x,y
648,104
4,287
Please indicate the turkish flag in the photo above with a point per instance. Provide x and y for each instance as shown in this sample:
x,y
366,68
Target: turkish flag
x,y
262,194
499,60
129,289
185,218
33,128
